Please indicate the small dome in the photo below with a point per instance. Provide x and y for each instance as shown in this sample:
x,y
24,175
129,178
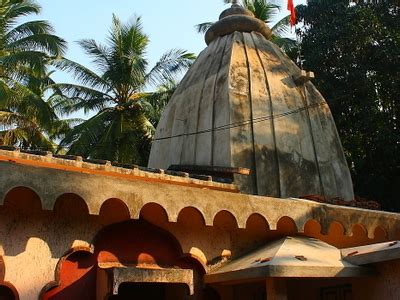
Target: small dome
x,y
235,9
236,18
240,105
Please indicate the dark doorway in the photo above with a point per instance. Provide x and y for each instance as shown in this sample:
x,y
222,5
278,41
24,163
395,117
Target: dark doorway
x,y
250,291
151,291
6,293
341,292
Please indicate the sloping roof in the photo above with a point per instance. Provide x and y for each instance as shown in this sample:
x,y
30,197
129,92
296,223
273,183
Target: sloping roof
x,y
374,253
288,257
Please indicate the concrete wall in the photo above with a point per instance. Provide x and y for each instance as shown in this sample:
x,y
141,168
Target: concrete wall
x,y
52,180
47,214
32,246
385,286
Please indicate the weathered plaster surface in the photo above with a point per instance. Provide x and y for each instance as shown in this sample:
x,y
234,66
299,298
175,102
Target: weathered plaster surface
x,y
33,242
239,106
50,184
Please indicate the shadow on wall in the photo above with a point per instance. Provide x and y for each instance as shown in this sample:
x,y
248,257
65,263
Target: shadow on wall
x,y
71,217
132,243
75,278
7,290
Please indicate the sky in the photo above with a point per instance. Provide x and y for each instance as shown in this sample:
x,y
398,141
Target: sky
x,y
168,23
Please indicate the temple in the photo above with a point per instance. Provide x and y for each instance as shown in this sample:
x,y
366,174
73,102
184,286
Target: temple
x,y
217,214
245,104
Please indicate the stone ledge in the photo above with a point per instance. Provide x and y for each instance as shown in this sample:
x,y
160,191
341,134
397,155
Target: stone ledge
x,y
76,163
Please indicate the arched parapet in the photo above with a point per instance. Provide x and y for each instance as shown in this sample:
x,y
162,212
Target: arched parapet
x,y
287,226
257,223
154,213
176,213
71,205
325,226
275,221
336,229
23,199
6,189
132,201
114,210
191,216
209,219
379,234
370,232
241,220
135,190
273,209
359,231
311,228
272,223
173,215
225,220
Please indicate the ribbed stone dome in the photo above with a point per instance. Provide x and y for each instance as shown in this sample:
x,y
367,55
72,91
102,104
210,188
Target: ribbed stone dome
x,y
239,106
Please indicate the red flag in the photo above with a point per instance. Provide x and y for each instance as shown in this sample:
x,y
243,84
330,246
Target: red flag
x,y
292,9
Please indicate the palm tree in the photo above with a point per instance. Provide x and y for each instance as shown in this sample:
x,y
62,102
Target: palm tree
x,y
265,11
157,100
29,121
26,119
25,48
121,129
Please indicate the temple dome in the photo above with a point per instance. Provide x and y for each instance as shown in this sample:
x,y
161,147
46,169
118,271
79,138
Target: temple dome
x,y
240,105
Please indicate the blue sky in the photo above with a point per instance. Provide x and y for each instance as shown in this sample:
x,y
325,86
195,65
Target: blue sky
x,y
169,24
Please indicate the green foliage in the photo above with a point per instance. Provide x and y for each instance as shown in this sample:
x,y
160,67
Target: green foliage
x,y
26,118
354,51
123,125
265,11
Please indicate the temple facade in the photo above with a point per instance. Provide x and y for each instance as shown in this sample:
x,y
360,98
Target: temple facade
x,y
217,214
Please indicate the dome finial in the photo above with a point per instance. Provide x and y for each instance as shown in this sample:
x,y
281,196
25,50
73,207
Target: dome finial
x,y
236,18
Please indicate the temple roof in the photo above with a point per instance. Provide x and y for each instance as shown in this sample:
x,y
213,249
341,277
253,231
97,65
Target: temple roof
x,y
288,257
245,104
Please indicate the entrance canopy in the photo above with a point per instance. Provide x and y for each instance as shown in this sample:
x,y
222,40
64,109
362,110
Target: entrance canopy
x,y
288,257
113,275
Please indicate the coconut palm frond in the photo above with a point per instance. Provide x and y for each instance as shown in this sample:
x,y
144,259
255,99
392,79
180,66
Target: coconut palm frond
x,y
282,27
26,118
170,63
81,73
262,9
123,126
286,44
203,27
